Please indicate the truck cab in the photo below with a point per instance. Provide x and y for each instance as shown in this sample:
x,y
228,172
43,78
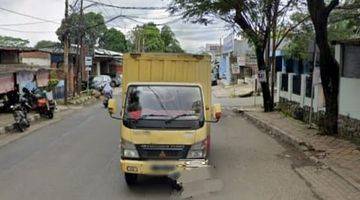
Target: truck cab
x,y
164,122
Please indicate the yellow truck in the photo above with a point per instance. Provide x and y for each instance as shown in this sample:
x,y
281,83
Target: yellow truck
x,y
165,114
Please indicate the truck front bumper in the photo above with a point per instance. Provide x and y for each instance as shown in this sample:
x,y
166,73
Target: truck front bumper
x,y
160,168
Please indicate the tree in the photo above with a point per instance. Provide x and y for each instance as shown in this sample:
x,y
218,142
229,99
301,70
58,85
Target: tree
x,y
147,38
94,28
300,38
171,44
329,67
113,40
46,44
253,17
342,25
8,41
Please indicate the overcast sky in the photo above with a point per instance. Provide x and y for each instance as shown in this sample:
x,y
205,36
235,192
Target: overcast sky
x,y
192,37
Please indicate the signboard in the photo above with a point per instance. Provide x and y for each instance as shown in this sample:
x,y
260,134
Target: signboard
x,y
235,69
229,44
262,76
7,83
42,78
240,60
88,61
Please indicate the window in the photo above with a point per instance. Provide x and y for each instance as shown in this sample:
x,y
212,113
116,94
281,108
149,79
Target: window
x,y
351,64
154,106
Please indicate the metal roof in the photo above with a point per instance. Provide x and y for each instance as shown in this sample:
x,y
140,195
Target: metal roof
x,y
106,53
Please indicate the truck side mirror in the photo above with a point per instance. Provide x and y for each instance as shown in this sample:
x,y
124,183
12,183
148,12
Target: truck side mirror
x,y
112,106
216,111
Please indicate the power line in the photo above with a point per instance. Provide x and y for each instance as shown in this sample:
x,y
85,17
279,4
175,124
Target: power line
x,y
21,31
127,7
23,24
30,16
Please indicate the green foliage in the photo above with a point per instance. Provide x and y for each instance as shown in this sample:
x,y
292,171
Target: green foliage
x,y
8,41
149,38
342,26
93,27
52,82
172,45
300,39
46,44
113,40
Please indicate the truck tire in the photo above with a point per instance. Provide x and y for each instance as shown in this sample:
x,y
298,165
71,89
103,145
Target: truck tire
x,y
131,179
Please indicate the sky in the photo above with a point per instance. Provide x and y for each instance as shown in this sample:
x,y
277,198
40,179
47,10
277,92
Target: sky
x,y
193,37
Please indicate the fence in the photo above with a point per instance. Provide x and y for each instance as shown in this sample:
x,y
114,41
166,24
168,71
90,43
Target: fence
x,y
59,92
297,88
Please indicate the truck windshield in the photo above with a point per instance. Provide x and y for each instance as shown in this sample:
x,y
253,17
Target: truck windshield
x,y
164,107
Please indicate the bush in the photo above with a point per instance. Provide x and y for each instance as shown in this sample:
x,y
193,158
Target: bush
x,y
52,82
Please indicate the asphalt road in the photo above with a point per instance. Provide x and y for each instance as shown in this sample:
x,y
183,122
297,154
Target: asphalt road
x,y
77,158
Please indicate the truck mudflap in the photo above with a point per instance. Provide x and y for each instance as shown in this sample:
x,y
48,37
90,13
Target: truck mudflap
x,y
160,168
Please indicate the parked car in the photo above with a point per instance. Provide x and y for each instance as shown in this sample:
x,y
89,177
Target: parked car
x,y
99,82
116,80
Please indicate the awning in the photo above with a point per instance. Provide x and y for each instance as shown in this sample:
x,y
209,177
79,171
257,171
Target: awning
x,y
7,83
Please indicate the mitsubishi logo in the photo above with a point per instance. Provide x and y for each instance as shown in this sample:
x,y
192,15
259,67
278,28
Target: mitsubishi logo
x,y
162,154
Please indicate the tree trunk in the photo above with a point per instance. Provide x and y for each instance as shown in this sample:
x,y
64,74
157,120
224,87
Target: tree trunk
x,y
329,68
329,71
268,104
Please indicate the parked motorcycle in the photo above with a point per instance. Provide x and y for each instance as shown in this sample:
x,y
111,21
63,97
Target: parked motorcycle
x,y
20,115
40,102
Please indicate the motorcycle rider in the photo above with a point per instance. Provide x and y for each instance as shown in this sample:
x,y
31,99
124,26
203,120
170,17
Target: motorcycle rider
x,y
108,94
108,91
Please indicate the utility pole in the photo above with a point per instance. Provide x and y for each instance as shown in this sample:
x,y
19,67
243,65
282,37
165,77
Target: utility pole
x,y
66,52
80,59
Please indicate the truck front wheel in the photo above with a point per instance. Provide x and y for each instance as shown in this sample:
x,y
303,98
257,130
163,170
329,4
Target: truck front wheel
x,y
131,179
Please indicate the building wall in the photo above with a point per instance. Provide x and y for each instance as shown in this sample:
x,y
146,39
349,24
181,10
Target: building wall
x,y
36,58
9,57
36,61
349,97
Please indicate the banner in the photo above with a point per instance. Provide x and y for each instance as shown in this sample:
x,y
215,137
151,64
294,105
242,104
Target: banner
x,y
42,78
7,83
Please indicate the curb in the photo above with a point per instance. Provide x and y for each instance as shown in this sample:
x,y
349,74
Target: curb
x,y
34,127
10,128
299,144
84,100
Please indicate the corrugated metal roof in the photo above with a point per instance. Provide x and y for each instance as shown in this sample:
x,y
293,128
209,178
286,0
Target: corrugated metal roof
x,y
106,53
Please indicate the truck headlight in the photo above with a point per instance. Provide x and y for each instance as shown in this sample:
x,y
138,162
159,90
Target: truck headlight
x,y
198,150
128,150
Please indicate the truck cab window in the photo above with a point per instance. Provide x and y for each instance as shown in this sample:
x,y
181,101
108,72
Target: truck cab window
x,y
151,106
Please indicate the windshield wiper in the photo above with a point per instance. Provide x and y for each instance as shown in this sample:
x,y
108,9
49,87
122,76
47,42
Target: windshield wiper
x,y
178,116
145,116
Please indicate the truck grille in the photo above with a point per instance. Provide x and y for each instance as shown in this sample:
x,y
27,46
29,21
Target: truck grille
x,y
162,152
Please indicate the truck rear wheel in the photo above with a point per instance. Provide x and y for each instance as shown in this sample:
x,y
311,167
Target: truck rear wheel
x,y
131,179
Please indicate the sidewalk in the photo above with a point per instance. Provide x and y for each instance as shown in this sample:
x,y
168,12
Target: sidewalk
x,y
7,119
340,156
220,91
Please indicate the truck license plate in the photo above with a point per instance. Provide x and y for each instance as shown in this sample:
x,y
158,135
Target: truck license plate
x,y
163,167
